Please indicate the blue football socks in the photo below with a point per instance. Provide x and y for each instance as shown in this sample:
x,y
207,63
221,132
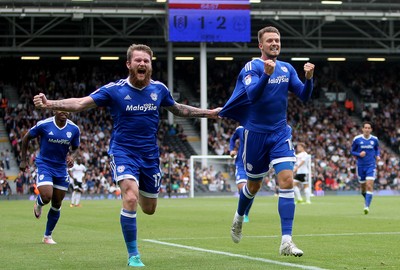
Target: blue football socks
x,y
129,230
52,219
368,198
286,208
245,199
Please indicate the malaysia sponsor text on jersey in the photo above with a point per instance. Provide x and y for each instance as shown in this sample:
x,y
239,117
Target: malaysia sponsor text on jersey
x,y
143,107
279,79
60,141
367,147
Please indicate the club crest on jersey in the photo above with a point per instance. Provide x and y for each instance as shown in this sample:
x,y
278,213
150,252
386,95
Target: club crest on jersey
x,y
121,168
247,79
69,134
284,69
371,142
154,96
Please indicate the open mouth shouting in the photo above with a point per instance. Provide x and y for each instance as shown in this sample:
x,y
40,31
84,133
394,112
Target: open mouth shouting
x,y
141,72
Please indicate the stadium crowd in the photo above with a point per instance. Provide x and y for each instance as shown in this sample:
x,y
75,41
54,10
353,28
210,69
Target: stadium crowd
x,y
326,127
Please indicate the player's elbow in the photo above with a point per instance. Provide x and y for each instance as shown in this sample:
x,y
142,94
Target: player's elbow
x,y
81,104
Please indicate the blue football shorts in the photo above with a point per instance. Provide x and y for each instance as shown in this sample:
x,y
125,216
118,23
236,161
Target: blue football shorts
x,y
145,171
47,175
366,173
263,150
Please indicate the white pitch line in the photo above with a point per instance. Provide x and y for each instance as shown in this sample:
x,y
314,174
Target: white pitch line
x,y
297,235
235,255
331,234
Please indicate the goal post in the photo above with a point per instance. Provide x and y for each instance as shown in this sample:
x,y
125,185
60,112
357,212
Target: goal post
x,y
309,175
222,164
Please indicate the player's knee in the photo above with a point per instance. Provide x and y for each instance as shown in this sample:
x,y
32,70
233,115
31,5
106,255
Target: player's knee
x,y
253,186
130,198
45,198
285,180
254,190
149,210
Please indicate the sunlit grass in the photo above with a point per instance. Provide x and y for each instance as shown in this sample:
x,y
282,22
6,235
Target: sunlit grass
x,y
194,234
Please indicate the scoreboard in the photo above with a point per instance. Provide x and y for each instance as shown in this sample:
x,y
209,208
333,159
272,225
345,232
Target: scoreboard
x,y
209,21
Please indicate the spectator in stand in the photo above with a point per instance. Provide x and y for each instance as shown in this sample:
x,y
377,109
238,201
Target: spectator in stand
x,y
3,105
5,159
349,105
318,187
3,175
5,188
19,183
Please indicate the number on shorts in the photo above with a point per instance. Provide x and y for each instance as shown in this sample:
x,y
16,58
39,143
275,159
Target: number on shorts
x,y
157,179
289,141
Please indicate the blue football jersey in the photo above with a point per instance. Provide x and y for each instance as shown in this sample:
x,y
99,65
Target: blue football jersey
x,y
371,148
269,96
54,141
266,108
135,114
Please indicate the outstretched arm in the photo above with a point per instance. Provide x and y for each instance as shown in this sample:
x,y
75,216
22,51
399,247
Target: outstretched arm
x,y
67,105
183,110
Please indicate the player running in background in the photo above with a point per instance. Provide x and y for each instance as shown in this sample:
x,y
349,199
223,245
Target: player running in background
x,y
240,172
301,173
77,172
366,148
134,105
259,103
59,139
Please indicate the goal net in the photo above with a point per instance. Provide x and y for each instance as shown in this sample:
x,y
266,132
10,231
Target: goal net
x,y
215,175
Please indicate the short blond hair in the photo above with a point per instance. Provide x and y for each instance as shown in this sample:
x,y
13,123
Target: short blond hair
x,y
267,29
138,47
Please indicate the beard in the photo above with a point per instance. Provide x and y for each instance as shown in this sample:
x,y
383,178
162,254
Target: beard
x,y
139,83
272,56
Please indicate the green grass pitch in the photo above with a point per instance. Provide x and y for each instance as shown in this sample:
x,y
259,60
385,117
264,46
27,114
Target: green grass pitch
x,y
194,233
